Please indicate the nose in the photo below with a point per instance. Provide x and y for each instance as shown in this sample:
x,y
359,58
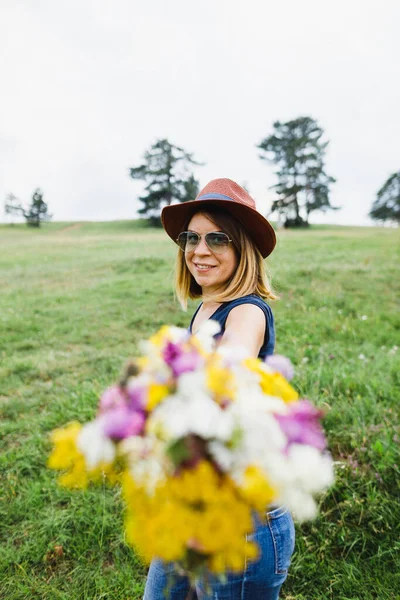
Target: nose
x,y
202,247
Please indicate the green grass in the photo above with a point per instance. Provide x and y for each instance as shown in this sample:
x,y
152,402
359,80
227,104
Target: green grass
x,y
76,299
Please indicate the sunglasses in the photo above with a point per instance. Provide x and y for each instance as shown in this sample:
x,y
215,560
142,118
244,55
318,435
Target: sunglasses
x,y
217,241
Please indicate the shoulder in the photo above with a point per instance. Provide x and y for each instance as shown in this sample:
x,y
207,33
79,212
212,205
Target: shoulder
x,y
251,306
247,311
251,314
250,311
246,319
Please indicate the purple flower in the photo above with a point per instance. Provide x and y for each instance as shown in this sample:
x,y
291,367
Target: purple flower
x,y
281,364
137,395
302,425
121,423
113,397
179,360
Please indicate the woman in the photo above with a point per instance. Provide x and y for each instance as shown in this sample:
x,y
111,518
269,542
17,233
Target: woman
x,y
223,240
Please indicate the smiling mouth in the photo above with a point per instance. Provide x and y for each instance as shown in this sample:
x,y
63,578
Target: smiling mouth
x,y
203,267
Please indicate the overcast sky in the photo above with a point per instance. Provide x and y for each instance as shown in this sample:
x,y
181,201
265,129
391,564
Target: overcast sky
x,y
88,85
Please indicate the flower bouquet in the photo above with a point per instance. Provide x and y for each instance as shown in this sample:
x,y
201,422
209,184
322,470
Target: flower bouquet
x,y
202,439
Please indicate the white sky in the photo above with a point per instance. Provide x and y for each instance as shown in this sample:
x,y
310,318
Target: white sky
x,y
88,85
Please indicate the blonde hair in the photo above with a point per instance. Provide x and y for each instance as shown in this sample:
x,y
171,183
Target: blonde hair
x,y
250,276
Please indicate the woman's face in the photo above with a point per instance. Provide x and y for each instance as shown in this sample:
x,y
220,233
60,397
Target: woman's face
x,y
211,271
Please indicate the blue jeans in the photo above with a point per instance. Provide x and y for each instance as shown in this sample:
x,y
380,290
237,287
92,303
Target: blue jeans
x,y
261,580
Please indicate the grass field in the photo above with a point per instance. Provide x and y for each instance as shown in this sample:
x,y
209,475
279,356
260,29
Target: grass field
x,y
75,300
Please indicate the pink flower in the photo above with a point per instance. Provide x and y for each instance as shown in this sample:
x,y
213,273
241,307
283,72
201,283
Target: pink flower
x,y
137,395
179,360
302,425
113,397
121,423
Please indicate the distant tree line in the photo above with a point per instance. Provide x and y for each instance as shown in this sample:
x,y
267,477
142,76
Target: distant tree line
x,y
296,148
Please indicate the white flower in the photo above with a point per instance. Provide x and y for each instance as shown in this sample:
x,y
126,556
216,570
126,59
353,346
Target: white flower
x,y
298,476
364,318
94,445
312,471
252,399
361,356
233,354
223,456
301,504
147,462
145,347
210,328
193,382
393,350
206,333
179,416
261,440
168,420
177,334
157,367
148,472
278,470
247,382
137,447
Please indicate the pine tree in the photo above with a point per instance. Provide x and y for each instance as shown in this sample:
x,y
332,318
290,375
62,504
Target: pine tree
x,y
34,214
166,170
303,186
387,204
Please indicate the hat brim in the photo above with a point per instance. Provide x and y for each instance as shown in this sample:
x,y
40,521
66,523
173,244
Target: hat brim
x,y
175,216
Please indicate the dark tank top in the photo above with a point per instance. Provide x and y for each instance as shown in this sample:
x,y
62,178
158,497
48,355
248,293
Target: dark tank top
x,y
222,312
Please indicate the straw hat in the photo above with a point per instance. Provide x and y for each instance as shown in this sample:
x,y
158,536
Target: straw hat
x,y
235,200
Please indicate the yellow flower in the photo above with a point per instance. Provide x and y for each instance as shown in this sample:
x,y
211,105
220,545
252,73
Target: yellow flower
x,y
256,490
76,477
156,393
252,551
195,343
236,558
156,525
64,440
159,338
220,525
66,456
201,484
220,380
142,362
196,509
273,384
233,559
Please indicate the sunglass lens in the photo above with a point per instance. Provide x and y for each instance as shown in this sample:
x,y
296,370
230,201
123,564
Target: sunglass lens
x,y
188,240
217,241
